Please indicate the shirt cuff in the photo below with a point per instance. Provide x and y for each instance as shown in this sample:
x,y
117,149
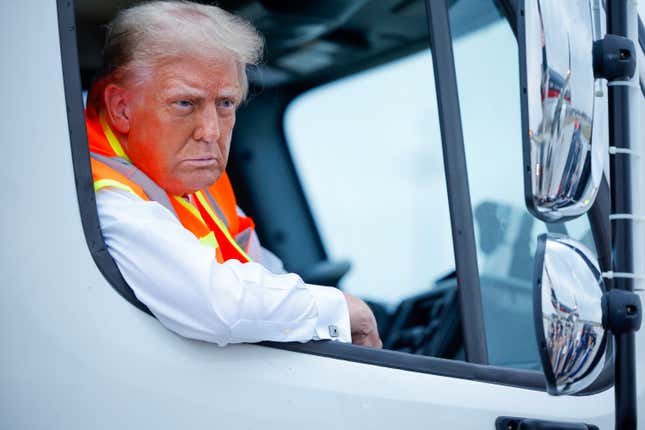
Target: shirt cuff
x,y
333,314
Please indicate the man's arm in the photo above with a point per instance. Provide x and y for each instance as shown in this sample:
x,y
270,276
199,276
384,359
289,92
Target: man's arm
x,y
362,321
193,295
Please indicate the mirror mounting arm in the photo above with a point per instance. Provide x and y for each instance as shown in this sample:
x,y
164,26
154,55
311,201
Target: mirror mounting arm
x,y
619,14
621,311
614,58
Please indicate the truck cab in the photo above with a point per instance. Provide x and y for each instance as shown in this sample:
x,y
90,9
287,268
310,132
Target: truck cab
x,y
379,152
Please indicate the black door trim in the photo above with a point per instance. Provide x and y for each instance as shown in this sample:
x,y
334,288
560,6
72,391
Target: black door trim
x,y
81,154
527,379
454,159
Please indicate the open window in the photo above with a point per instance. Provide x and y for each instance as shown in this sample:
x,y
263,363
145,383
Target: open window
x,y
284,146
368,151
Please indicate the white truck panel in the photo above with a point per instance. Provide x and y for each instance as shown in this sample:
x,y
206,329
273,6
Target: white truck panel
x,y
75,354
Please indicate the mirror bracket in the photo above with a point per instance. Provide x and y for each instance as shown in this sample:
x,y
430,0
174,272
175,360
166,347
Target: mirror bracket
x,y
621,311
614,58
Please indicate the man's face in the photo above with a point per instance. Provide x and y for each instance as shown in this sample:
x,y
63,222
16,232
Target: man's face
x,y
180,122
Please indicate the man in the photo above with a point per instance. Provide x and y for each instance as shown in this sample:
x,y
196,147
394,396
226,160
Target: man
x,y
160,117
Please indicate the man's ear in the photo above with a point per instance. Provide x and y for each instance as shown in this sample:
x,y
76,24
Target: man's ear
x,y
117,107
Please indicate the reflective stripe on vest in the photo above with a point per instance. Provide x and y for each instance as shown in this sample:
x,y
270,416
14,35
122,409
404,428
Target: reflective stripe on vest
x,y
215,206
243,238
208,214
131,172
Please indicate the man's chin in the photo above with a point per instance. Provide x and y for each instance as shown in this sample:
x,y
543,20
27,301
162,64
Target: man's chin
x,y
193,181
203,181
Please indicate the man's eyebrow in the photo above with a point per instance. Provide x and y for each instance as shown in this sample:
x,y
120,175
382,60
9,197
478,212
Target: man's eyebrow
x,y
179,88
230,92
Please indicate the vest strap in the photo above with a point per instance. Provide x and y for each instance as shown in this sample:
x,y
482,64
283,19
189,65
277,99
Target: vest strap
x,y
112,139
131,172
243,239
217,225
215,206
107,183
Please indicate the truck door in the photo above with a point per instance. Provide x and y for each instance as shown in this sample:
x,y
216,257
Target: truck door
x,y
77,355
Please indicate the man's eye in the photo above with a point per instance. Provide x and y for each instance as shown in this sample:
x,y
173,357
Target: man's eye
x,y
184,103
227,104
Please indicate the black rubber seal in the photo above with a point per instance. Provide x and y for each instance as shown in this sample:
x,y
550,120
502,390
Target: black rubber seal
x,y
459,203
81,155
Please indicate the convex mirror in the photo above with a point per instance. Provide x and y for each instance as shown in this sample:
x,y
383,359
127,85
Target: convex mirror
x,y
562,172
567,293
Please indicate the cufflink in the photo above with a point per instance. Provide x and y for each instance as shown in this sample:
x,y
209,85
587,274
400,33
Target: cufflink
x,y
333,331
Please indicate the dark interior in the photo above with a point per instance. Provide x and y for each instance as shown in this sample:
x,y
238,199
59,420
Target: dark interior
x,y
308,42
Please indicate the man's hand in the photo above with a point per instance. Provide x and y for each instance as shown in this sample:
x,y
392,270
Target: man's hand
x,y
362,323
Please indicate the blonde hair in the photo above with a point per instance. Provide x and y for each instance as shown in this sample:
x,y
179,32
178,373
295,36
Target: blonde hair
x,y
145,35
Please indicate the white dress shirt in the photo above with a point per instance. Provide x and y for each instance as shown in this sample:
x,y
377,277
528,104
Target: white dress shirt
x,y
193,295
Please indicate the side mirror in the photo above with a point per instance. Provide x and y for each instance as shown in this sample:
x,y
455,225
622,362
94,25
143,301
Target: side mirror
x,y
567,302
562,167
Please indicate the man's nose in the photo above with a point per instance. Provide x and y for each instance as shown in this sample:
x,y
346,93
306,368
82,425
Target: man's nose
x,y
208,129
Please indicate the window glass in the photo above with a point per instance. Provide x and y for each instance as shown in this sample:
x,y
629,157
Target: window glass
x,y
506,233
368,152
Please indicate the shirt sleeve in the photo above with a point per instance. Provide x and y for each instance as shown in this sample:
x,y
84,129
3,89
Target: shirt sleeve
x,y
195,296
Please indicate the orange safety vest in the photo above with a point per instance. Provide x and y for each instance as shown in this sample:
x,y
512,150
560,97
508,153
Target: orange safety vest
x,y
213,218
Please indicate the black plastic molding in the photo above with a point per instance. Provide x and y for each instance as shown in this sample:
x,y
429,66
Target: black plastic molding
x,y
81,155
454,159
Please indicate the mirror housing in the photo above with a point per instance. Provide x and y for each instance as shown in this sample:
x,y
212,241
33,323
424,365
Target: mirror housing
x,y
562,171
568,313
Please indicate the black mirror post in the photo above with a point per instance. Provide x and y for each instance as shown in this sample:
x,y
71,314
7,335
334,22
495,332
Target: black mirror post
x,y
619,138
622,315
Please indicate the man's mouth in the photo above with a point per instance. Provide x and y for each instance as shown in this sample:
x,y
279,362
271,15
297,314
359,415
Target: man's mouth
x,y
201,162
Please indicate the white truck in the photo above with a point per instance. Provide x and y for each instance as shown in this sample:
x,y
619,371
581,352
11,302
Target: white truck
x,y
463,346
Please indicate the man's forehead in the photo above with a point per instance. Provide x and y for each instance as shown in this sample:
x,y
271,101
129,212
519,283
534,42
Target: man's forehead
x,y
199,76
